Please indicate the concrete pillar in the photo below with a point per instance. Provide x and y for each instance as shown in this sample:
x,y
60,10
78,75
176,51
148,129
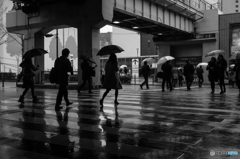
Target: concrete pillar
x,y
88,44
39,60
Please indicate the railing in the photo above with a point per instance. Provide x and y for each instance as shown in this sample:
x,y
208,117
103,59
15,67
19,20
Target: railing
x,y
45,77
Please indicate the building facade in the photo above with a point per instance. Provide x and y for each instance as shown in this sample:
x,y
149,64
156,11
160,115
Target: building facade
x,y
230,6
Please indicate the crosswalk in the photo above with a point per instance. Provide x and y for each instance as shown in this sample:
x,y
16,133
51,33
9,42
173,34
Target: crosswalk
x,y
147,124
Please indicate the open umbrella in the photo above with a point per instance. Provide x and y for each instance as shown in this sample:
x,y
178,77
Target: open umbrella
x,y
232,65
164,59
122,66
34,52
149,61
109,49
202,64
214,53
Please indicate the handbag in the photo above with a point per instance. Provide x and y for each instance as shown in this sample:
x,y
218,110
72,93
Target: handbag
x,y
53,75
160,74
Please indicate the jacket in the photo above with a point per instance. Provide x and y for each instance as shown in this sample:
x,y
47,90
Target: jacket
x,y
63,66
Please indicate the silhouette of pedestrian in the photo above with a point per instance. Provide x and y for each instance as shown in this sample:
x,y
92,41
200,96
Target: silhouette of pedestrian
x,y
200,75
28,81
145,72
111,80
221,70
86,75
180,77
63,66
237,70
212,73
189,74
167,75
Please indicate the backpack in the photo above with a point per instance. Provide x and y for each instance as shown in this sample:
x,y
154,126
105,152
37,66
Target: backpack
x,y
53,75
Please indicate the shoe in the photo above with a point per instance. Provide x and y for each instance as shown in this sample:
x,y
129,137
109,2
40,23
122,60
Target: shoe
x,y
57,108
21,99
147,87
140,86
116,102
212,92
101,102
69,103
101,108
35,99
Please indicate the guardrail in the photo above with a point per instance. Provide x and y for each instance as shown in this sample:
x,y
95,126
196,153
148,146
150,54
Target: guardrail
x,y
45,77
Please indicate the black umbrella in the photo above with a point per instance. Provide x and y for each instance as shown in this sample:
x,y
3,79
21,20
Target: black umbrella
x,y
34,52
109,49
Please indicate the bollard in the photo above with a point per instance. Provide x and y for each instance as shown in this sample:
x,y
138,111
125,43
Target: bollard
x,y
3,80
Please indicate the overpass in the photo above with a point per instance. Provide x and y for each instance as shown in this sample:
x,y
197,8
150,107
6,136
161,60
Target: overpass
x,y
35,18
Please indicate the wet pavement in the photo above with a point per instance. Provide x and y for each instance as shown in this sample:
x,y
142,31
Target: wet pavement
x,y
147,124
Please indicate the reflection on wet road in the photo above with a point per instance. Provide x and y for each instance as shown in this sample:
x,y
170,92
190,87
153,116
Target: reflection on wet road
x,y
147,124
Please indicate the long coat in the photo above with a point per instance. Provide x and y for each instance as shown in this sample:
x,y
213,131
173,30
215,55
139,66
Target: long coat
x,y
110,79
63,66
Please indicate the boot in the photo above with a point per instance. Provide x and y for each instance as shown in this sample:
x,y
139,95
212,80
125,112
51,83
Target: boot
x,y
21,99
35,99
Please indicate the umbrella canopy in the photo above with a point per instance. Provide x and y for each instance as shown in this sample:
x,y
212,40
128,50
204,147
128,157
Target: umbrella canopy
x,y
109,49
164,59
122,66
202,64
149,61
34,52
232,65
235,55
214,53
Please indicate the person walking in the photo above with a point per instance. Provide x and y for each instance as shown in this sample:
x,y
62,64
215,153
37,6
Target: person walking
x,y
189,74
200,75
221,70
145,72
87,70
28,82
167,75
111,80
237,70
180,77
63,66
212,73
